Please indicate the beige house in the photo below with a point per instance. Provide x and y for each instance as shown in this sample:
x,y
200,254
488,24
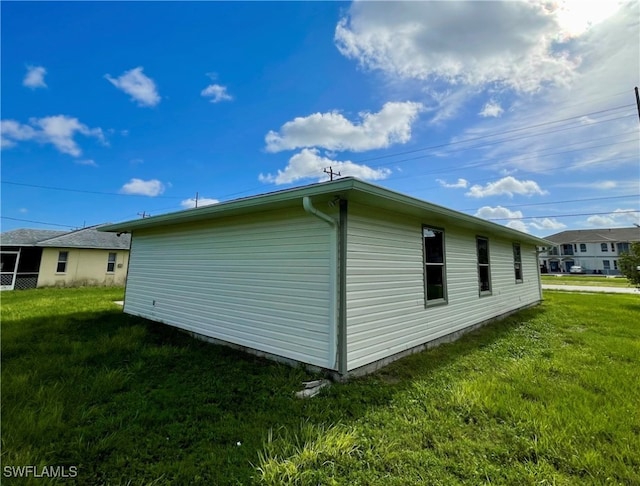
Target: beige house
x,y
43,258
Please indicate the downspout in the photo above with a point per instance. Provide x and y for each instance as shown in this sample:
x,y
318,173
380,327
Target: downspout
x,y
308,207
537,253
333,277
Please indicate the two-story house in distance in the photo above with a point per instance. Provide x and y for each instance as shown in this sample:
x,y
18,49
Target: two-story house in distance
x,y
595,250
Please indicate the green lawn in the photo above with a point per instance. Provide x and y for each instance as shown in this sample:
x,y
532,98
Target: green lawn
x,y
585,280
548,396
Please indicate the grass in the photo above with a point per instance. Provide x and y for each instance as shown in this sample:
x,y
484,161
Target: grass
x,y
548,396
586,280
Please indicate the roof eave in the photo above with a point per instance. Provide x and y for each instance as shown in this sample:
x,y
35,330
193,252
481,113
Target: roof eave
x,y
244,204
341,185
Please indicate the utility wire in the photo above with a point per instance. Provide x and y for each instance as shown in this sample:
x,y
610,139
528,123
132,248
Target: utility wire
x,y
514,130
38,222
590,199
565,215
66,189
483,145
496,162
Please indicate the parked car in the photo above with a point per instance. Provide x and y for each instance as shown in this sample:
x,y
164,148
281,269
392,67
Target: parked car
x,y
577,269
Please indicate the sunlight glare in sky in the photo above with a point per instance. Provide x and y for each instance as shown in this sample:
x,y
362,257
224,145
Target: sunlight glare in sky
x,y
577,16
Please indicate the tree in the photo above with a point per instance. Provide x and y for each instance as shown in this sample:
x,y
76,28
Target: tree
x,y
629,264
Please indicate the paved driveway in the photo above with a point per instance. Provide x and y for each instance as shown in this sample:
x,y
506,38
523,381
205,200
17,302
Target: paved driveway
x,y
589,288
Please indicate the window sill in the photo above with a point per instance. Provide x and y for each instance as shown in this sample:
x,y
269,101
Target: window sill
x,y
435,303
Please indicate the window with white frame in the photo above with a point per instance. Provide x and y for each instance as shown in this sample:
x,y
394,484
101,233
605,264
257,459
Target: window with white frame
x,y
111,263
63,258
434,265
613,247
484,270
603,247
623,247
615,264
517,262
583,248
606,264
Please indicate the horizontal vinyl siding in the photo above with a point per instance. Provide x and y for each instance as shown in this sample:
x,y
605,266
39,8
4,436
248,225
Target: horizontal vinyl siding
x,y
261,282
386,311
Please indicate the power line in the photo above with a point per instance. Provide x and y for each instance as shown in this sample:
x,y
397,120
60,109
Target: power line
x,y
590,199
514,130
565,215
66,189
38,222
487,144
483,163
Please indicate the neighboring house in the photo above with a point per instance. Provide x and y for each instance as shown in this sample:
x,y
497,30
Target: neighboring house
x,y
344,275
595,250
44,258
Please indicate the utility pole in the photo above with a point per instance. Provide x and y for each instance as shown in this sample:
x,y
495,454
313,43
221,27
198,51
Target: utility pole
x,y
638,101
330,172
144,214
196,199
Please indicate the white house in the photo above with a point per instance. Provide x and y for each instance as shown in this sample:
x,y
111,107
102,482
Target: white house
x,y
345,276
595,250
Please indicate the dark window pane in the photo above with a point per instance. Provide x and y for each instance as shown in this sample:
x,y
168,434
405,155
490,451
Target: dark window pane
x,y
63,256
517,255
485,285
435,282
518,270
483,251
434,245
111,262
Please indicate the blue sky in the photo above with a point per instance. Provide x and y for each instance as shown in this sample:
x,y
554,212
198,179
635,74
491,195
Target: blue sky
x,y
518,110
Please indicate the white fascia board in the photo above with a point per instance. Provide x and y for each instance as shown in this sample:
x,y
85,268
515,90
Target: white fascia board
x,y
346,186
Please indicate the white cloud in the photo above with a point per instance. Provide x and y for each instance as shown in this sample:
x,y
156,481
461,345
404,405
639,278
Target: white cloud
x,y
609,53
492,109
309,164
506,44
88,162
618,218
217,93
332,131
512,218
460,184
140,187
35,77
58,130
547,224
506,186
12,132
140,87
202,201
499,212
518,225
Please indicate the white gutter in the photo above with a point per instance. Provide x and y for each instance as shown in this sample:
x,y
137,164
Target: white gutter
x,y
333,279
308,207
